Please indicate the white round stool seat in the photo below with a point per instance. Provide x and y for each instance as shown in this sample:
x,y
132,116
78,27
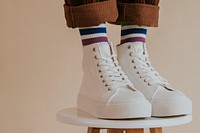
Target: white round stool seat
x,y
79,118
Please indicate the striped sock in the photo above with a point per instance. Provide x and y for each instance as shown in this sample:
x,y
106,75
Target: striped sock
x,y
133,33
93,34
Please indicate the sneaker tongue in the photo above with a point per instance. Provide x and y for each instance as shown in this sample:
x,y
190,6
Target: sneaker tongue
x,y
104,49
139,48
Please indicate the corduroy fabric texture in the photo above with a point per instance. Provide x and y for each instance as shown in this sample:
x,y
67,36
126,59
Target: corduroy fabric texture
x,y
138,12
91,14
152,2
80,2
85,13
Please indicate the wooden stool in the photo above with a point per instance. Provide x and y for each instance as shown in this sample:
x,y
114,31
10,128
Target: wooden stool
x,y
76,117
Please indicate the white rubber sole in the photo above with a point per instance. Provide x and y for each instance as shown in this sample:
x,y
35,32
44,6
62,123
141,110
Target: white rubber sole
x,y
140,109
165,108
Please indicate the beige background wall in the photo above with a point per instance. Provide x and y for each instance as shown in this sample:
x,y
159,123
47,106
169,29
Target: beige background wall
x,y
40,62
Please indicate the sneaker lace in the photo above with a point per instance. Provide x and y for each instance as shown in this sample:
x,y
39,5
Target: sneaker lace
x,y
111,72
146,70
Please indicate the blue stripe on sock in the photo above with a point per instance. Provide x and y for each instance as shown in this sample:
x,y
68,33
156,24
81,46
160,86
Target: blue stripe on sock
x,y
133,31
92,31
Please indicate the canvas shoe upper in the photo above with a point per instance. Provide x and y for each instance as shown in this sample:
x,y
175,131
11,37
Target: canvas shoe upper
x,y
165,100
106,92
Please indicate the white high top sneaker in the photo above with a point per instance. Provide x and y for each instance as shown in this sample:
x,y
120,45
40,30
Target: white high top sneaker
x,y
106,91
166,101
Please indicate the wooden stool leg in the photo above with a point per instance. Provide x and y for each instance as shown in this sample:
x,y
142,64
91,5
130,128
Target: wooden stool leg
x,y
93,130
156,130
115,130
139,130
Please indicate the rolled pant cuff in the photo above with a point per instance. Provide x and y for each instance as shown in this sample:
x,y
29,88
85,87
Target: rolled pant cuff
x,y
92,14
138,14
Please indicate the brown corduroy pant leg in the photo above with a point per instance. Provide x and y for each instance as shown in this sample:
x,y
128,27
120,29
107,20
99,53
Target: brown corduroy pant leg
x,y
85,13
138,12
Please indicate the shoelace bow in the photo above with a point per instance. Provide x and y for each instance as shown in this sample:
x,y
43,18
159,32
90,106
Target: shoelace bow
x,y
148,73
112,73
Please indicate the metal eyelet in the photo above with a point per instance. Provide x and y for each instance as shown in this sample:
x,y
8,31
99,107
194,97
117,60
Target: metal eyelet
x,y
123,78
133,61
149,84
131,54
134,67
129,47
101,76
98,65
106,85
138,72
100,71
95,57
109,89
103,81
